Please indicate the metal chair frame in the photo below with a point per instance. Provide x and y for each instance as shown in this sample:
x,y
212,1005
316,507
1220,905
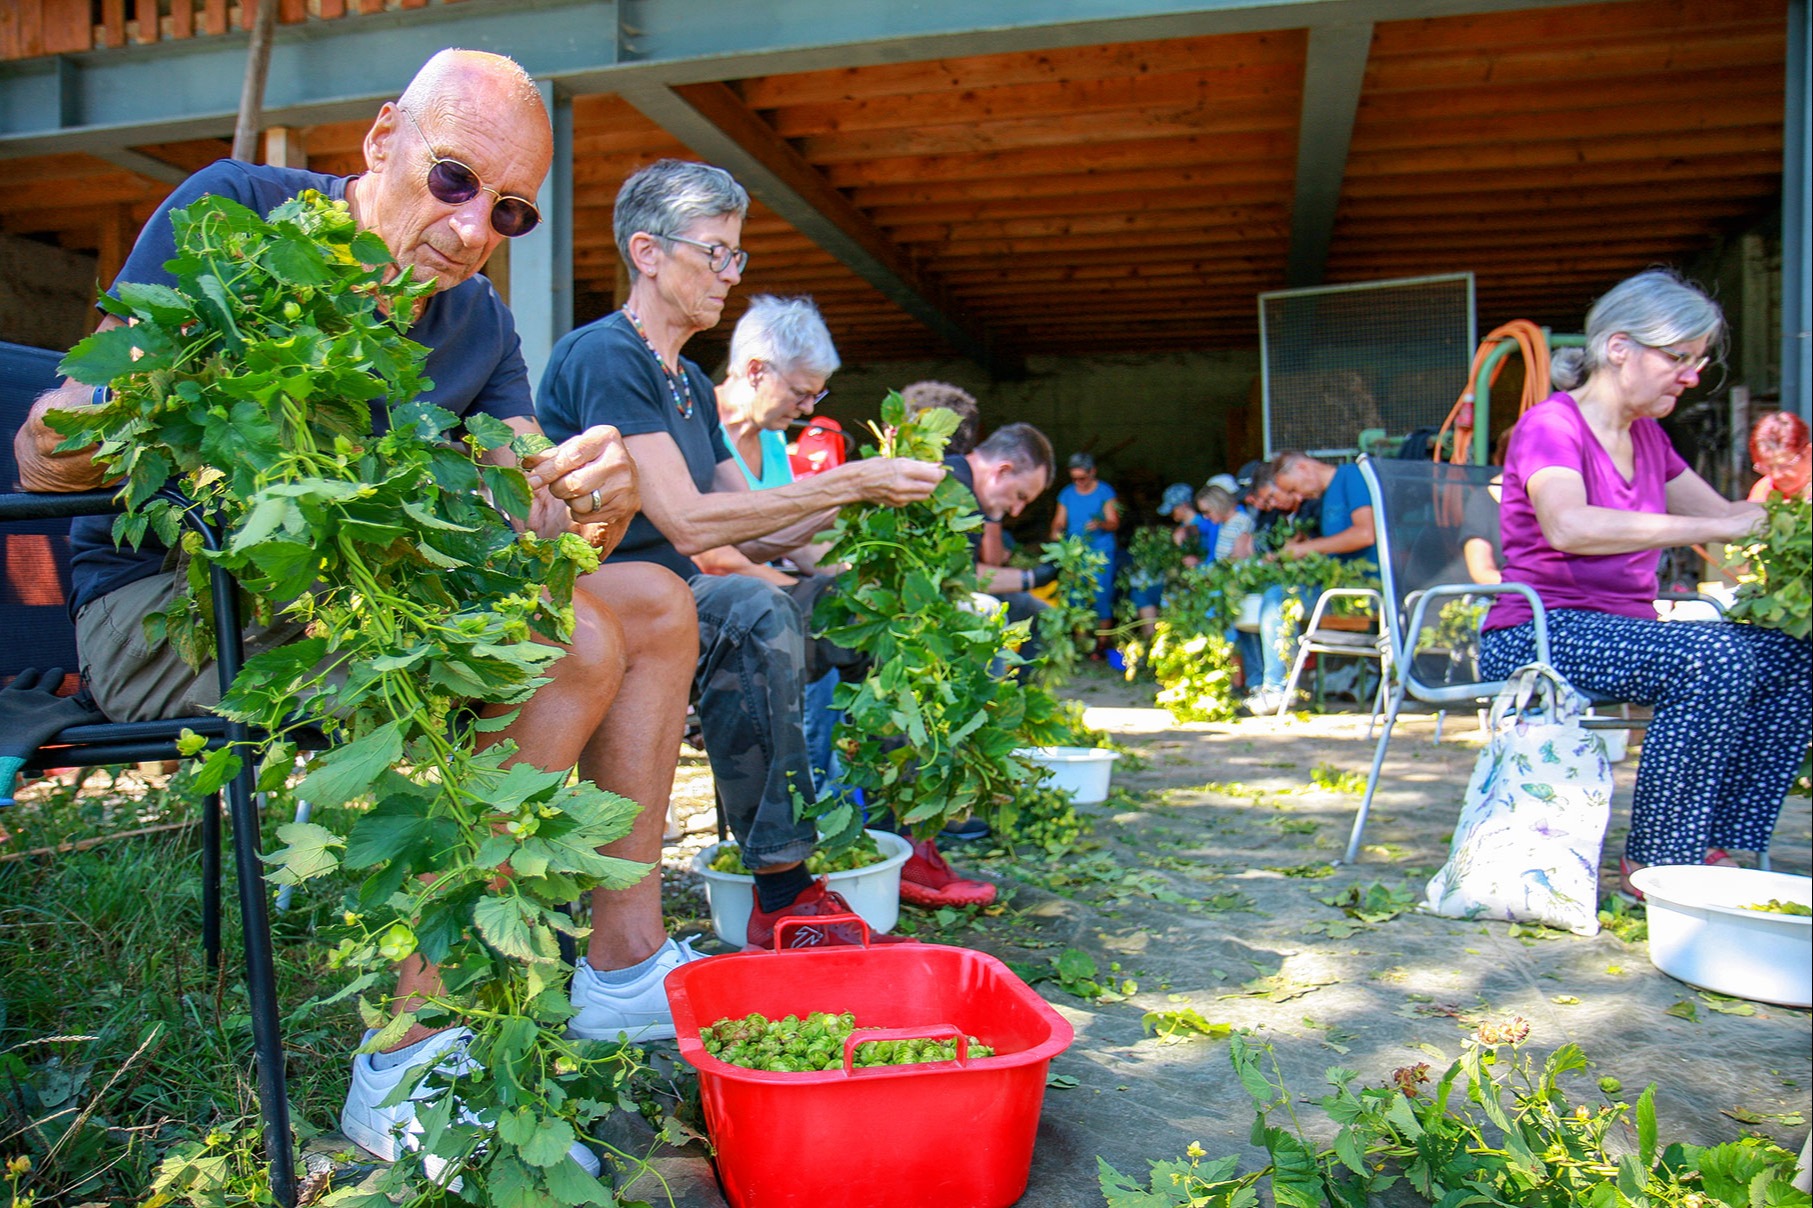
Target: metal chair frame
x,y
106,742
1399,639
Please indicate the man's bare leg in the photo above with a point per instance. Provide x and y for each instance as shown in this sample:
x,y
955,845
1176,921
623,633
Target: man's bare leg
x,y
635,750
551,732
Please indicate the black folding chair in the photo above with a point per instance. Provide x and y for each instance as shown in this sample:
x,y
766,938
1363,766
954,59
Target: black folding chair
x,y
34,585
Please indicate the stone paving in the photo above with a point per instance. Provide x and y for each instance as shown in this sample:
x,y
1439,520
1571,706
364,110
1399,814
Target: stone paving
x,y
1210,860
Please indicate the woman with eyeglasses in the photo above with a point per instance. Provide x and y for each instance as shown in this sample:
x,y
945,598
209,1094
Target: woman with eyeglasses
x,y
1593,492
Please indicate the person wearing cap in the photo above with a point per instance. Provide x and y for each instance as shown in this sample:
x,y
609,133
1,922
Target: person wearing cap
x,y
1178,505
1089,509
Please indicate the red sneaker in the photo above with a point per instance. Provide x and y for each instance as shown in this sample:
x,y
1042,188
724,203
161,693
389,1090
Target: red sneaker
x,y
927,879
816,900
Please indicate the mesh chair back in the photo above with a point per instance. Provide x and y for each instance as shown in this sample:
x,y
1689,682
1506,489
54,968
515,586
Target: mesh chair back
x,y
1426,511
34,554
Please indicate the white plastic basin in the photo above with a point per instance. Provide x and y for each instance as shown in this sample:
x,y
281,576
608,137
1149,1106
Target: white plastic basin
x,y
873,891
1083,772
1700,932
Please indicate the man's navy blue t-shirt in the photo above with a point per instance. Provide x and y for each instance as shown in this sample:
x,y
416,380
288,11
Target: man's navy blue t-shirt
x,y
474,357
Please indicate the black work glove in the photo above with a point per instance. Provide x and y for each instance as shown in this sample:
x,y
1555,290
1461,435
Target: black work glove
x,y
1042,574
31,712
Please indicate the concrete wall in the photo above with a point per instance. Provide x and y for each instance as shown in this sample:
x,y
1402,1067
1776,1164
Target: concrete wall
x,y
1149,420
45,293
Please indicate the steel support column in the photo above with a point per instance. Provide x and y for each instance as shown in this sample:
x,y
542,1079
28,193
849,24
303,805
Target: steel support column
x,y
1333,71
1797,281
541,262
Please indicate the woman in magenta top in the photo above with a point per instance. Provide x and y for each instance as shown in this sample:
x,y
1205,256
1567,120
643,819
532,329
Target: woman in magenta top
x,y
1593,492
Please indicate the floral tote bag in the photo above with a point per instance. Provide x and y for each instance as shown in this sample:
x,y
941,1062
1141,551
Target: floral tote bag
x,y
1528,842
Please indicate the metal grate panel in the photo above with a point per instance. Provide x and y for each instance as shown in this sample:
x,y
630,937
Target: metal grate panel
x,y
1339,359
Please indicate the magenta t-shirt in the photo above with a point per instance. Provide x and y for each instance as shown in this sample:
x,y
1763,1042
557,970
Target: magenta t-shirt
x,y
1554,433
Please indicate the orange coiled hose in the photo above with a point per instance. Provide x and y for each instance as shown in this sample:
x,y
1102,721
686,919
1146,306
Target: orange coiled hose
x,y
1535,348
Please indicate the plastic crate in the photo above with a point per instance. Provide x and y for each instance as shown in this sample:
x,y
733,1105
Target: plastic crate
x,y
957,1134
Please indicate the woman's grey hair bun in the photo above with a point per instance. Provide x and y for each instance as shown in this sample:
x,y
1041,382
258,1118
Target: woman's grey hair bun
x,y
1569,368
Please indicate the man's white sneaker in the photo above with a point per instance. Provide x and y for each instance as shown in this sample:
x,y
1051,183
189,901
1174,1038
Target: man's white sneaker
x,y
635,1011
390,1132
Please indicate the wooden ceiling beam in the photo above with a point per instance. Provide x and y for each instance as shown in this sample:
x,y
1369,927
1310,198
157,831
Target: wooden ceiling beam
x,y
993,266
1266,149
1059,203
1271,220
1632,54
1661,95
1178,243
1065,130
714,121
1102,60
1651,173
1562,154
1575,26
1606,123
1559,199
1193,87
1262,180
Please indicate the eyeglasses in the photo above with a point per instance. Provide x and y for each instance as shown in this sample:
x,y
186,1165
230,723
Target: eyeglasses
x,y
455,184
1681,360
801,398
718,257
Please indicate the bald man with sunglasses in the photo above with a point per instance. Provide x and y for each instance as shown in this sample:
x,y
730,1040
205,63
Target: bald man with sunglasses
x,y
452,169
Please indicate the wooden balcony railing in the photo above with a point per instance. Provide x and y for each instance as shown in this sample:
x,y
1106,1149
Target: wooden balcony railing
x,y
31,28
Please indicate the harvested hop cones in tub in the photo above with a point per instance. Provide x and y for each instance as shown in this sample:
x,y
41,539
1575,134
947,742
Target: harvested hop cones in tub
x,y
795,1045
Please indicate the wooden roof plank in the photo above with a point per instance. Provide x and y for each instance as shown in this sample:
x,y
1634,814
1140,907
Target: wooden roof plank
x,y
1195,87
713,115
1097,61
1269,148
1068,130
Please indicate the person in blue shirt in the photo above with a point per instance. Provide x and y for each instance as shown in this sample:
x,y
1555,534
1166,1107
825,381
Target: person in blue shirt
x,y
1088,508
1346,518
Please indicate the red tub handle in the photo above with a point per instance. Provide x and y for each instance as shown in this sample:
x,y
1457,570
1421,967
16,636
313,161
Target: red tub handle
x,y
782,926
930,1031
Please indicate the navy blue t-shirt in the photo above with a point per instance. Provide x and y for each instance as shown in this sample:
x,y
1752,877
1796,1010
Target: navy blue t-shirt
x,y
603,373
474,357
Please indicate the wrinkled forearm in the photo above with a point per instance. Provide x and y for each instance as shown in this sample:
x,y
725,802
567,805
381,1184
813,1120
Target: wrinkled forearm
x,y
41,468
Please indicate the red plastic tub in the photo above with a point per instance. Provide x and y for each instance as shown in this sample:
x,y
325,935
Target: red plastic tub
x,y
950,1134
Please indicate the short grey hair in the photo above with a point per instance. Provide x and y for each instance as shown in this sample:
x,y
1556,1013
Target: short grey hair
x,y
1021,446
1656,308
787,333
667,197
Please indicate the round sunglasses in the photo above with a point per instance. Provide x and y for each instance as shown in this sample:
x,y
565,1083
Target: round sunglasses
x,y
455,184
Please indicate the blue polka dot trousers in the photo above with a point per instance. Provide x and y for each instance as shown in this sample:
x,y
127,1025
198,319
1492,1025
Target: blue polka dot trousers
x,y
1733,710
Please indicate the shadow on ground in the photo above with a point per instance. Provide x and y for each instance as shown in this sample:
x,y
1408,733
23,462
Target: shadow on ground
x,y
1204,877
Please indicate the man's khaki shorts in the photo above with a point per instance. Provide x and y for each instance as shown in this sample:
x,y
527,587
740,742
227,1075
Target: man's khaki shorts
x,y
131,679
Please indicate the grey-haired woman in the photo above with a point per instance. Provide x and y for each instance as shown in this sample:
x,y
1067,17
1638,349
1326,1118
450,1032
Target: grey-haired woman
x,y
1593,492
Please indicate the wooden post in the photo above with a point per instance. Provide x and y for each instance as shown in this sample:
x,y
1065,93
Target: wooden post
x,y
285,147
251,96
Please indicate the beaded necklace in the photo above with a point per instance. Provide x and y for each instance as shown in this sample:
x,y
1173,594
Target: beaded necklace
x,y
676,382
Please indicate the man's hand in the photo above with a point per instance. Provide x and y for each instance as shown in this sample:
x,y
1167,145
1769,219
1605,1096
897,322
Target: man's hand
x,y
1296,547
588,483
895,481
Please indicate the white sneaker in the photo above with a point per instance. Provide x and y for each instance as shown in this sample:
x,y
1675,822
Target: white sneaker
x,y
634,1012
390,1132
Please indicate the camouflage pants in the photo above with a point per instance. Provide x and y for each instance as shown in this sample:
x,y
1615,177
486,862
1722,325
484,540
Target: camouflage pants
x,y
749,690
